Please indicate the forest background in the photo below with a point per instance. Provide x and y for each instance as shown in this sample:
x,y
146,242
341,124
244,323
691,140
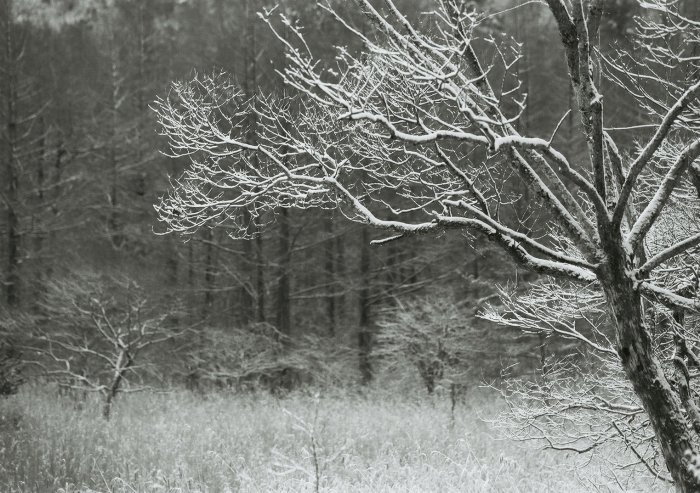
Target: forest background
x,y
85,170
309,300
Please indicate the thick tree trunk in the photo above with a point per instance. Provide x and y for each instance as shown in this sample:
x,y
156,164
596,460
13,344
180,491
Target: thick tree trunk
x,y
644,371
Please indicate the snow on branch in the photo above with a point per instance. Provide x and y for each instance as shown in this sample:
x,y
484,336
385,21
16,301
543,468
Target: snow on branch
x,y
93,334
662,194
410,136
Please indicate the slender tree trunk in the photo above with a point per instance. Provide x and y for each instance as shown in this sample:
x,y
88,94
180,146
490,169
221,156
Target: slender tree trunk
x,y
114,388
171,262
142,64
11,172
107,407
340,271
364,334
172,271
114,220
453,403
283,281
330,260
523,65
253,251
109,399
13,236
37,225
208,272
245,298
190,277
56,180
393,280
542,346
260,277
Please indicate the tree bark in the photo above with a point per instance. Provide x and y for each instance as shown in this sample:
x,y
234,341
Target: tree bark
x,y
283,281
249,82
246,299
330,275
114,221
56,196
116,384
11,280
364,335
259,276
646,374
340,271
208,273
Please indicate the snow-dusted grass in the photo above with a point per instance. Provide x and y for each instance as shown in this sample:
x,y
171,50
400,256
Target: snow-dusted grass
x,y
181,442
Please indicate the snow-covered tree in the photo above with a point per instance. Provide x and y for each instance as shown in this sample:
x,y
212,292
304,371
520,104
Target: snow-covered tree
x,y
94,335
417,134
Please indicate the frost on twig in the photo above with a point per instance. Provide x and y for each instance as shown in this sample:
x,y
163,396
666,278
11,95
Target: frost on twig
x,y
581,401
95,334
418,134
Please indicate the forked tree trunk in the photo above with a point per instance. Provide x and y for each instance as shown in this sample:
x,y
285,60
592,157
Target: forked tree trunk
x,y
649,382
124,362
111,394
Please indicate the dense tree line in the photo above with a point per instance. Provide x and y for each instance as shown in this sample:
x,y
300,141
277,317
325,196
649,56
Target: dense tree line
x,y
81,169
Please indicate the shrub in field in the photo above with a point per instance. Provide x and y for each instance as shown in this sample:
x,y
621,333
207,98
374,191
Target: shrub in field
x,y
431,334
261,357
95,333
443,339
582,403
180,443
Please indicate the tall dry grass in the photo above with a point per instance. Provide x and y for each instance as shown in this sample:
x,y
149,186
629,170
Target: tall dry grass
x,y
183,442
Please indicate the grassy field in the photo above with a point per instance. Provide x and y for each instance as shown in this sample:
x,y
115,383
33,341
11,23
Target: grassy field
x,y
182,442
